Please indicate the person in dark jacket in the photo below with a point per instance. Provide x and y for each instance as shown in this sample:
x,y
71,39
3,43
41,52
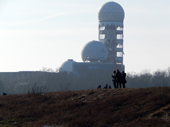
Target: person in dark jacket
x,y
114,79
124,79
118,78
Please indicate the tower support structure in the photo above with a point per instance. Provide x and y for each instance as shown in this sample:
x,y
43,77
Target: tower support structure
x,y
111,17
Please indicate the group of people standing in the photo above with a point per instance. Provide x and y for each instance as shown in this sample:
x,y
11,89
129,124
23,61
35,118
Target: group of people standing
x,y
119,78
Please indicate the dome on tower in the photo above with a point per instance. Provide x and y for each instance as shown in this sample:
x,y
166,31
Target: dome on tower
x,y
67,66
111,11
94,51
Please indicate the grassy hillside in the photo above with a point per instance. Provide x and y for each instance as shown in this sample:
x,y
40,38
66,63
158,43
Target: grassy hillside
x,y
91,108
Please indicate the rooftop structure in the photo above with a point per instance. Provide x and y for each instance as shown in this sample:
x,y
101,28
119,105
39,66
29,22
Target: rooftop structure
x,y
67,66
94,51
111,11
107,53
111,16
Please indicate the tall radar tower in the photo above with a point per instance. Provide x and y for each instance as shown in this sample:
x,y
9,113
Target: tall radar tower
x,y
111,16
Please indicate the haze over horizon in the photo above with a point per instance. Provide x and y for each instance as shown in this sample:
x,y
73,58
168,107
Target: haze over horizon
x,y
41,33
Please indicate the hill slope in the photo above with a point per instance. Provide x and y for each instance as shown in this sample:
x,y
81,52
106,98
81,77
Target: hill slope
x,y
90,108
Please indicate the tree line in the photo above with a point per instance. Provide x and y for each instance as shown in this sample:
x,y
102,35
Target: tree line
x,y
24,82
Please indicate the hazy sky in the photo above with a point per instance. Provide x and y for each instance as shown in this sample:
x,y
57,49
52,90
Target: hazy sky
x,y
45,33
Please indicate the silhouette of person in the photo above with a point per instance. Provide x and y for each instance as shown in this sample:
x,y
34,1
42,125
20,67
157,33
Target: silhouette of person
x,y
123,79
118,78
114,79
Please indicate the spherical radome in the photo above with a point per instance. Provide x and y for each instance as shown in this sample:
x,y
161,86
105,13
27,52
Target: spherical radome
x,y
111,11
94,51
67,66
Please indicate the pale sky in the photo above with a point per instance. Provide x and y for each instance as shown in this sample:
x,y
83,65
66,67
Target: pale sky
x,y
45,33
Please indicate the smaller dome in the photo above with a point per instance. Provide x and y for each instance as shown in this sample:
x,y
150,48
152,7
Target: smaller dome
x,y
94,51
111,11
67,66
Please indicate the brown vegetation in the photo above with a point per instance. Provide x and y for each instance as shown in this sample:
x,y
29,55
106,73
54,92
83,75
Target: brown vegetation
x,y
139,107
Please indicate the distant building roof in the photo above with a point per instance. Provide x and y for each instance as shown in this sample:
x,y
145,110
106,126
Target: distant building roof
x,y
94,51
111,11
67,66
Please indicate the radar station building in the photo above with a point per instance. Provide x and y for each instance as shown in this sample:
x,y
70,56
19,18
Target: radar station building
x,y
107,53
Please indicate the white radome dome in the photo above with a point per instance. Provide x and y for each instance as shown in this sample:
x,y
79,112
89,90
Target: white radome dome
x,y
94,51
67,66
111,11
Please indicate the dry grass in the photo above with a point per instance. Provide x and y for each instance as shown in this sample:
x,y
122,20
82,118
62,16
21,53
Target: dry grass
x,y
91,108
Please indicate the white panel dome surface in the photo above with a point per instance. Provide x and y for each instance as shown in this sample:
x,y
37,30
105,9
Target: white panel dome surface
x,y
111,11
94,51
67,66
